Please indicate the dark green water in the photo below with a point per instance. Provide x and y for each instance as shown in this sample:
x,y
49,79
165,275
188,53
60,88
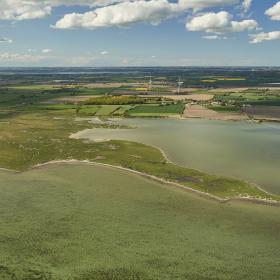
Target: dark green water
x,y
244,150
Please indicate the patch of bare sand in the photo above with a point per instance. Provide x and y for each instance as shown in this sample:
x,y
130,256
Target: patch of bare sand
x,y
198,111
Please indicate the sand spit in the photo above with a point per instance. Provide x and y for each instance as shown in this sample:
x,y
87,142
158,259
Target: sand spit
x,y
154,178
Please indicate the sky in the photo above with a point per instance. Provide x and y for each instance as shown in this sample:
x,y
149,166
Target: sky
x,y
105,33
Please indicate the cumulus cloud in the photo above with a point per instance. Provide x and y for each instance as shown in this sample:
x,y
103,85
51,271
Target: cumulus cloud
x,y
202,4
246,5
35,9
213,37
274,12
21,10
157,10
6,40
90,3
261,37
130,12
219,23
122,14
104,53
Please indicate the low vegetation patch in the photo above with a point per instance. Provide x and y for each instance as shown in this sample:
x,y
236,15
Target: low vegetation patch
x,y
157,110
224,108
115,100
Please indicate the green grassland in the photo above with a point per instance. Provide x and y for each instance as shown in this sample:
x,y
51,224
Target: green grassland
x,y
107,110
79,222
251,97
121,111
115,100
218,108
157,110
34,138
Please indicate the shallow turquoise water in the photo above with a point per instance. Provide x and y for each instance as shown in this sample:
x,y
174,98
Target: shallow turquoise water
x,y
244,150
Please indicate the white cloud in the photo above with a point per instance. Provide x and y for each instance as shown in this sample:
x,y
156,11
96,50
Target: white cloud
x,y
202,4
274,12
246,5
17,57
219,23
261,37
34,9
46,51
104,53
90,3
122,14
134,11
21,10
6,40
214,37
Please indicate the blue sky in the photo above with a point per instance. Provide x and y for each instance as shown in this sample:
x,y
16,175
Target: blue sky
x,y
140,33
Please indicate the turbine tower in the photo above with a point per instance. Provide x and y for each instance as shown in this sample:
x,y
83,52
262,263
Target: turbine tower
x,y
179,83
150,83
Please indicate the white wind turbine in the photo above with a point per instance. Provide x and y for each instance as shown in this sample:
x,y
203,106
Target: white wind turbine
x,y
179,83
150,83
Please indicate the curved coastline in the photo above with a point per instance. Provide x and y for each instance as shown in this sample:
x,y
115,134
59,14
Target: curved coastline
x,y
77,136
153,178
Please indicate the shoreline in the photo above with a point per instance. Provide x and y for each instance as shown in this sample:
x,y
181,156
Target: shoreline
x,y
153,178
166,158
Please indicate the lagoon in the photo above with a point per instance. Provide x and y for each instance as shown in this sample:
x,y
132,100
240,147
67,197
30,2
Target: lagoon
x,y
243,150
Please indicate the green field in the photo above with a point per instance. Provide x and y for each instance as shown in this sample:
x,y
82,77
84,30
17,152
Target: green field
x,y
261,97
122,110
224,108
107,110
115,100
88,110
157,110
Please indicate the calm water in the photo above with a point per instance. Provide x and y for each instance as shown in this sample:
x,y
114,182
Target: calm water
x,y
243,150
